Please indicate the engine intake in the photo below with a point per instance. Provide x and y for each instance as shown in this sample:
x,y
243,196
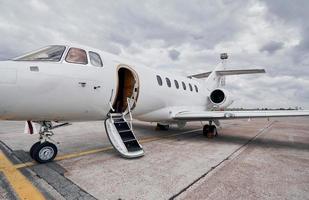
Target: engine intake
x,y
217,96
220,98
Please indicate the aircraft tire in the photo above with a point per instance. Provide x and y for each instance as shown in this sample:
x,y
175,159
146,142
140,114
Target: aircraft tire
x,y
45,152
162,127
206,130
212,131
33,147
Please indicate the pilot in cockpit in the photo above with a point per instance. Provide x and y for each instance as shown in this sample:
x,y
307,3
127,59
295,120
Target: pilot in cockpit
x,y
76,55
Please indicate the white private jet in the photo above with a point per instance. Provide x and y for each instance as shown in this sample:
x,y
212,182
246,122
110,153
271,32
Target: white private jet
x,y
67,83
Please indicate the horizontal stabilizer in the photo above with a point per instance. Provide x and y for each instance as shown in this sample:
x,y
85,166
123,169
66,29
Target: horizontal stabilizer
x,y
229,72
241,71
201,75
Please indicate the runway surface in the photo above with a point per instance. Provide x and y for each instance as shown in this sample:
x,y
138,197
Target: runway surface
x,y
256,159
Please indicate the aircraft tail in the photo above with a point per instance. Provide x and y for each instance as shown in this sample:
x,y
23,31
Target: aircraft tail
x,y
216,78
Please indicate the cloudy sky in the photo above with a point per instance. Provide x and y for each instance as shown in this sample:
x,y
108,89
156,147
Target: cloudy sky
x,y
185,37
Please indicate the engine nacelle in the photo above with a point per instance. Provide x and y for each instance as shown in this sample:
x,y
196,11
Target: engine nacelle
x,y
220,98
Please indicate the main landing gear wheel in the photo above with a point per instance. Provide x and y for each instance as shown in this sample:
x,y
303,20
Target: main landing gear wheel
x,y
210,131
205,130
162,127
44,152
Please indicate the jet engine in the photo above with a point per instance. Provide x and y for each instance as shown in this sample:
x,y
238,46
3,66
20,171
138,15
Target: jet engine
x,y
220,98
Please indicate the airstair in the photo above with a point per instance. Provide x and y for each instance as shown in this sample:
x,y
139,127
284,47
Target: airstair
x,y
121,135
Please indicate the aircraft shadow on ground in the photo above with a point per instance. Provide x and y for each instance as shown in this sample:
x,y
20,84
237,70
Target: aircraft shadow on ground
x,y
223,138
258,142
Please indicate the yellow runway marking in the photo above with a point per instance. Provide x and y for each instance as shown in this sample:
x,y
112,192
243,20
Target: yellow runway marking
x,y
23,188
79,154
74,155
22,165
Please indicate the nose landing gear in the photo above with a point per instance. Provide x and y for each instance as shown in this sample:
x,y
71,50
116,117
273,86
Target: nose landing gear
x,y
44,150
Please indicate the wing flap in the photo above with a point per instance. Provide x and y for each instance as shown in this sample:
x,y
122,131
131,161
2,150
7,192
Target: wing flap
x,y
211,115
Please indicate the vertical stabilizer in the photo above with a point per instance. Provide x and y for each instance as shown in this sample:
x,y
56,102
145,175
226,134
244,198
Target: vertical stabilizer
x,y
215,80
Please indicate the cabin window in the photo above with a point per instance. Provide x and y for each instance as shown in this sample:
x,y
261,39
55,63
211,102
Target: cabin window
x,y
184,86
176,84
95,59
76,55
159,79
190,86
196,89
168,82
50,53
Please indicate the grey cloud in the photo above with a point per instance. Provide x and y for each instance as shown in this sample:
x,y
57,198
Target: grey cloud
x,y
272,47
294,13
120,39
174,54
142,30
99,23
282,91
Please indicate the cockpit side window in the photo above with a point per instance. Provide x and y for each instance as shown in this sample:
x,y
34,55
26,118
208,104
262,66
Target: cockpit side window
x,y
76,55
51,53
95,59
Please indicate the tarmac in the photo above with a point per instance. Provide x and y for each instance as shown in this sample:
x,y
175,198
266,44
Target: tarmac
x,y
250,159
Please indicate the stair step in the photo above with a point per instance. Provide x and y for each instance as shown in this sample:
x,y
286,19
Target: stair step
x,y
119,122
122,126
115,114
128,140
132,146
124,131
127,135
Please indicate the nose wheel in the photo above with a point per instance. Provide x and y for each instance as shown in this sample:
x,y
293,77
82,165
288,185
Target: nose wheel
x,y
43,152
33,147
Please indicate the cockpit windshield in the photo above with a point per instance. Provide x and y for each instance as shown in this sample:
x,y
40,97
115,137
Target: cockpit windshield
x,y
51,53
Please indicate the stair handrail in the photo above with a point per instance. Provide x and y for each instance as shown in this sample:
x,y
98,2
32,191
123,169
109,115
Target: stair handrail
x,y
111,106
110,101
130,113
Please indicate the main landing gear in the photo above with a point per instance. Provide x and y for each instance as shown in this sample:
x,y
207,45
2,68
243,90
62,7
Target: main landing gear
x,y
162,127
44,150
210,131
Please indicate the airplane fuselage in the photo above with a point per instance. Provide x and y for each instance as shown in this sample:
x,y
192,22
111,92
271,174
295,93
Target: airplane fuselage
x,y
63,91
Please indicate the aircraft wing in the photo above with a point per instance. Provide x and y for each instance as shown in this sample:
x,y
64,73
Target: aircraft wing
x,y
216,115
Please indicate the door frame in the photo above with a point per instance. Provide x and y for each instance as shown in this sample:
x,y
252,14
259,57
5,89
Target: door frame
x,y
137,83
